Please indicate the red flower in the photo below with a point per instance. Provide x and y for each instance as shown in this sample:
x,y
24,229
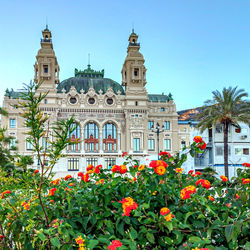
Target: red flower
x,y
85,178
190,171
80,174
202,145
247,165
97,169
211,198
237,196
198,139
36,171
67,177
123,169
51,201
198,173
114,244
245,181
124,154
187,191
52,191
115,168
205,183
164,153
224,178
164,211
228,205
128,205
90,167
5,192
1,237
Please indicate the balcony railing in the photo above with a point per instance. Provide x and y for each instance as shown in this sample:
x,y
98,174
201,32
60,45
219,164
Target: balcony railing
x,y
134,44
46,40
110,151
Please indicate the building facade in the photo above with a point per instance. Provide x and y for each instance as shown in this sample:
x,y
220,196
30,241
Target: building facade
x,y
110,118
213,155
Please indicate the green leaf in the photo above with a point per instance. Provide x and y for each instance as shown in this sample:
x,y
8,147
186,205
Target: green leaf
x,y
93,243
229,232
169,226
42,236
55,242
120,228
133,233
150,237
194,239
187,215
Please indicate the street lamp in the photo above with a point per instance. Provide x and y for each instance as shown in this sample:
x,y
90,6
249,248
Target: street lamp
x,y
157,130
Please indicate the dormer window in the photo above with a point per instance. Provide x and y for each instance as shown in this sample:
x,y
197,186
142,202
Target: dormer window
x,y
133,40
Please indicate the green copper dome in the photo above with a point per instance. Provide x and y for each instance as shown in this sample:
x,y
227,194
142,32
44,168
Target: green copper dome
x,y
90,78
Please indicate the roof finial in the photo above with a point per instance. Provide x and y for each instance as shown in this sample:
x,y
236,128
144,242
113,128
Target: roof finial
x,y
88,60
133,30
46,23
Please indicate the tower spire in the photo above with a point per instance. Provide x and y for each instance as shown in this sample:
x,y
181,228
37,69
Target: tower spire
x,y
89,61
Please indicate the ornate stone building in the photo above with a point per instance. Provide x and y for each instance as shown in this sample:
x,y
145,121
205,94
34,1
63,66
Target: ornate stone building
x,y
110,117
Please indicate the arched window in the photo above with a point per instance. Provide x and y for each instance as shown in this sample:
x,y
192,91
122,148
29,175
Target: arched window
x,y
109,137
91,140
75,135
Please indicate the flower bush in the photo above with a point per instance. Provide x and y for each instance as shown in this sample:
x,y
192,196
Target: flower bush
x,y
134,206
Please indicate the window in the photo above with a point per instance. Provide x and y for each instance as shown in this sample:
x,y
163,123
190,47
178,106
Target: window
x,y
136,103
45,101
162,109
45,69
167,144
91,140
76,134
136,144
91,100
109,137
183,144
151,144
150,125
110,101
92,161
241,151
136,72
219,150
219,128
167,125
12,123
29,145
109,163
12,143
73,100
73,164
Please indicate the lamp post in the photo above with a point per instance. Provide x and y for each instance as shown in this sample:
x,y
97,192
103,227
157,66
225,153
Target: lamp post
x,y
158,130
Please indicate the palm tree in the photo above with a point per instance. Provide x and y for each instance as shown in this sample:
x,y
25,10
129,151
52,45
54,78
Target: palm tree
x,y
226,108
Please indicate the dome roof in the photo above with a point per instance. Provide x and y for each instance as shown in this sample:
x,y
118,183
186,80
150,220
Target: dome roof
x,y
90,78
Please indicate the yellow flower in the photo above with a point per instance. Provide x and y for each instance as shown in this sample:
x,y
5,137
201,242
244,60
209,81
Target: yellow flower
x,y
169,217
141,167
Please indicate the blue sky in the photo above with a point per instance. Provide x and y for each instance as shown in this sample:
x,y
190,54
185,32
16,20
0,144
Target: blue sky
x,y
191,47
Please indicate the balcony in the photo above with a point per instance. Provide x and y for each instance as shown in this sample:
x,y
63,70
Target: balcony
x,y
46,40
134,44
110,151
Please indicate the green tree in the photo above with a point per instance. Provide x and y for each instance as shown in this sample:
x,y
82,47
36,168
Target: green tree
x,y
226,108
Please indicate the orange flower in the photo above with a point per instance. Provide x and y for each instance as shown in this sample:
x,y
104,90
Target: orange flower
x,y
198,139
198,173
115,168
128,205
169,217
245,181
205,183
67,177
123,169
211,198
80,241
160,170
164,211
5,192
179,170
114,244
187,191
26,205
154,164
237,196
85,177
224,178
55,182
101,181
141,167
90,167
52,191
72,184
